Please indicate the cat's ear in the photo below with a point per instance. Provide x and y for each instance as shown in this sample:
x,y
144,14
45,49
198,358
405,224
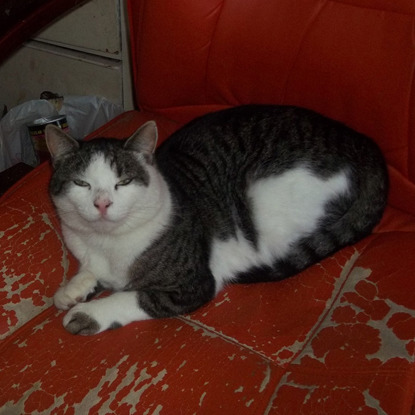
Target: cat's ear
x,y
144,140
59,143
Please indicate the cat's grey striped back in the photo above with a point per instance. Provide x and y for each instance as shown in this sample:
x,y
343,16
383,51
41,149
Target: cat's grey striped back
x,y
213,161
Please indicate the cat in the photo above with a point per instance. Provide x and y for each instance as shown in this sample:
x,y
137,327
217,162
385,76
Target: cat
x,y
247,194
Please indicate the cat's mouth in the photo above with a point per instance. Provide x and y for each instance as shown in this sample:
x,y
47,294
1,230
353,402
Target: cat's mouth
x,y
104,224
106,218
102,219
104,214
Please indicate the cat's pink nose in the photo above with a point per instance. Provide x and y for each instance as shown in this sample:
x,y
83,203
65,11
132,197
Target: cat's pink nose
x,y
102,204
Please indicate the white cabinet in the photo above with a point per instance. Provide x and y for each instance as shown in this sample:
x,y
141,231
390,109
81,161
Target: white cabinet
x,y
93,28
83,53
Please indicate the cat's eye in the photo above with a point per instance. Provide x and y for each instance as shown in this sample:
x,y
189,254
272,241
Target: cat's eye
x,y
81,183
124,182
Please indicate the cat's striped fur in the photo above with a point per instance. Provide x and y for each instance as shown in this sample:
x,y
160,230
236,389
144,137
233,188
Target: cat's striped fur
x,y
253,193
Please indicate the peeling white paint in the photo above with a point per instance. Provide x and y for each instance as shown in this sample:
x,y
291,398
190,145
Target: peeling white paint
x,y
25,309
308,396
43,234
30,222
18,407
292,350
65,253
15,226
226,299
390,345
249,403
130,380
134,396
284,381
182,365
267,378
21,344
92,397
348,273
201,399
157,411
373,403
41,325
23,369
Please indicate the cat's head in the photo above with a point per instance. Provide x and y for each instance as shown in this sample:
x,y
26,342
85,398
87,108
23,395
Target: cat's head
x,y
104,184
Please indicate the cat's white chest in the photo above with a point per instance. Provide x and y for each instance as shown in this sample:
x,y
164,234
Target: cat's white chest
x,y
108,258
285,208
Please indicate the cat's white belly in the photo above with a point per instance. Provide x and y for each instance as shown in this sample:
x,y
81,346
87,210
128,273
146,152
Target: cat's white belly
x,y
108,257
285,208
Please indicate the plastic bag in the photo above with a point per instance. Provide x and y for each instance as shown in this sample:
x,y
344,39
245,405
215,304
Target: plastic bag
x,y
87,113
83,113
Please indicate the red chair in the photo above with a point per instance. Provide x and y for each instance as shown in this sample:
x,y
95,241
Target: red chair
x,y
338,338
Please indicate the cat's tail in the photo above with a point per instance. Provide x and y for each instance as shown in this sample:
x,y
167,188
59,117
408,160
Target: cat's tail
x,y
348,218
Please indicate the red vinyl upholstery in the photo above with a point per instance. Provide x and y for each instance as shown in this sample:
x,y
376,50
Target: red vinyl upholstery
x,y
338,338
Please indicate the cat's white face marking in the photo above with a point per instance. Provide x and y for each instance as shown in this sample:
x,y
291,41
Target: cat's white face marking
x,y
96,197
99,200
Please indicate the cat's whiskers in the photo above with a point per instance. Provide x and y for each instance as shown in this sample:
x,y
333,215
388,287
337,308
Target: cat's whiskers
x,y
125,216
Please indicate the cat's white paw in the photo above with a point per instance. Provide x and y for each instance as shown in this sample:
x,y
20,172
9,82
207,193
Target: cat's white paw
x,y
106,313
75,291
80,320
88,318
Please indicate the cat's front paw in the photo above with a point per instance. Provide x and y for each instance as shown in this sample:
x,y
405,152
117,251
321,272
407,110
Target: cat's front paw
x,y
114,311
81,323
75,291
89,318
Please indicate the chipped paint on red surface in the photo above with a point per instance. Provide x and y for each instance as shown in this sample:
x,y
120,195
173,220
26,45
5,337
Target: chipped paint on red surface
x,y
355,355
34,257
153,363
251,350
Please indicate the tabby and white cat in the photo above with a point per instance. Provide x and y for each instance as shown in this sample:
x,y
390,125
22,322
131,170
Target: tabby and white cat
x,y
248,194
